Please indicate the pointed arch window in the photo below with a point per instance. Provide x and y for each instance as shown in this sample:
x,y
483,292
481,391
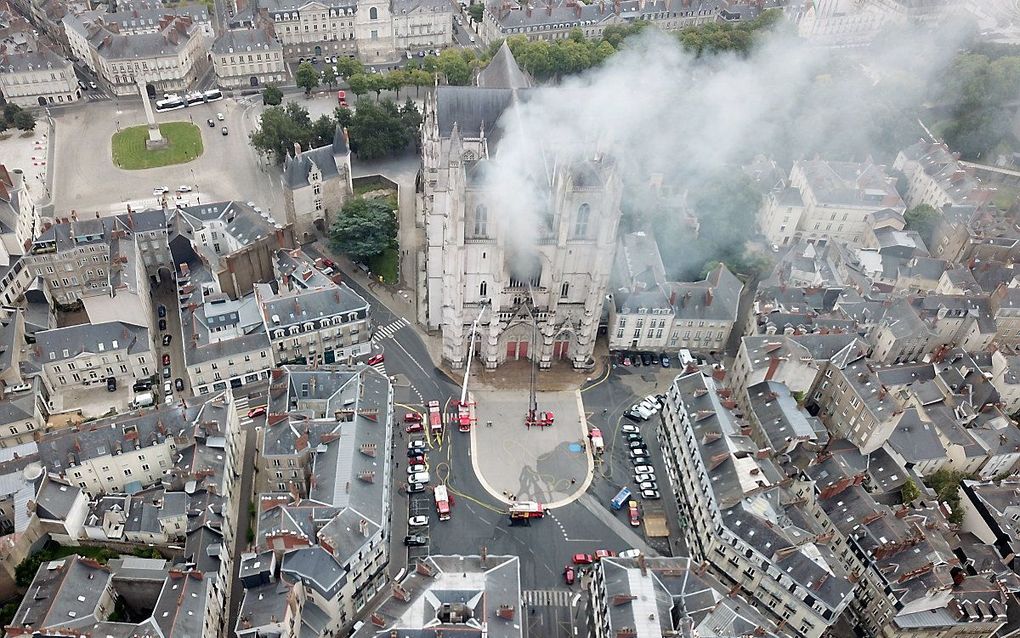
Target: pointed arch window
x,y
581,221
483,289
481,220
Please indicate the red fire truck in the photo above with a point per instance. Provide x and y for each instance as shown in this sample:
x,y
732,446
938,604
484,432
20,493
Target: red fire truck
x,y
526,509
463,417
442,503
435,418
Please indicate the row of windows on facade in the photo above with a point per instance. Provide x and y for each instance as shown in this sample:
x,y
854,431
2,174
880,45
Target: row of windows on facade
x,y
216,387
254,58
326,322
15,79
483,288
75,378
580,228
589,32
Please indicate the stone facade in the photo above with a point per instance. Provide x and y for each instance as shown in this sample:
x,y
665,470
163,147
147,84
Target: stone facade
x,y
316,185
39,78
248,57
421,24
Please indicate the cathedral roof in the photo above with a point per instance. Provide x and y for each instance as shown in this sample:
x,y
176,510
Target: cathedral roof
x,y
502,72
471,108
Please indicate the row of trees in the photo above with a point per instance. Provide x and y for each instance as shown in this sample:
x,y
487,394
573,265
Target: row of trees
x,y
16,117
979,93
375,129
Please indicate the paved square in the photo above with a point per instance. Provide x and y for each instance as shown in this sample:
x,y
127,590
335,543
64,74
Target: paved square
x,y
551,465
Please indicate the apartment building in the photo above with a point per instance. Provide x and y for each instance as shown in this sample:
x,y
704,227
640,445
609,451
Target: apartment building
x,y
327,439
935,177
733,497
828,200
334,27
245,58
850,23
651,597
1005,376
310,318
38,78
1005,307
23,413
422,24
19,219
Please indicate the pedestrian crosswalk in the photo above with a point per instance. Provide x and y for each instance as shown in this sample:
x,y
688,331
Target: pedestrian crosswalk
x,y
381,367
97,97
548,597
242,410
387,331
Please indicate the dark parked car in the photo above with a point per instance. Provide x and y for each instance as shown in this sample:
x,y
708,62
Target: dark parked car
x,y
415,487
633,415
162,324
211,123
166,359
223,130
111,384
166,340
636,360
166,372
416,540
179,384
161,310
664,360
646,358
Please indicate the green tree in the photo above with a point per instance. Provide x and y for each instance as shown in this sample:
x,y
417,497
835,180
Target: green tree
x,y
453,66
329,77
279,129
946,484
348,67
377,83
358,84
343,116
420,78
377,130
272,95
306,77
322,132
10,110
364,228
476,11
909,491
397,79
24,120
410,117
923,219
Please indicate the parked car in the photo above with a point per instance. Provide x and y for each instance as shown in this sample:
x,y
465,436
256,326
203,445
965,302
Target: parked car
x,y
413,443
418,521
640,460
111,384
418,459
211,123
166,372
412,417
637,445
168,389
632,437
162,324
420,477
648,485
634,415
161,310
665,361
415,487
646,358
630,553
413,428
634,453
166,359
375,359
159,191
93,85
179,384
626,361
650,494
184,188
416,540
223,130
604,553
166,339
415,452
416,468
642,477
583,559
627,428
568,575
635,360
644,469
257,411
633,514
219,116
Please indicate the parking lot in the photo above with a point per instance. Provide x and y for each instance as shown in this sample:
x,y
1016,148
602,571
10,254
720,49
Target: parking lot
x,y
419,504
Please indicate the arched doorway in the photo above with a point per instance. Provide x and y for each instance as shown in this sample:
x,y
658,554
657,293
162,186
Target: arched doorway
x,y
42,101
254,80
151,90
318,50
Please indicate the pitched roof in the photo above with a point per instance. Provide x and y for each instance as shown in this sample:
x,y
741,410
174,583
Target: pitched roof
x,y
503,72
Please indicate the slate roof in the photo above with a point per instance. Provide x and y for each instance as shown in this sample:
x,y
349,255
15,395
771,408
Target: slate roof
x,y
851,184
244,40
306,295
64,594
692,301
59,344
32,61
297,167
55,499
473,109
502,72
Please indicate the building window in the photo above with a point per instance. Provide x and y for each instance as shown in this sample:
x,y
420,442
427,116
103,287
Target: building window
x,y
481,220
565,289
581,222
373,14
483,289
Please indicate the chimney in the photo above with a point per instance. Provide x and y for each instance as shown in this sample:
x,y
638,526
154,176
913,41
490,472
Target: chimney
x,y
672,293
297,149
959,576
708,297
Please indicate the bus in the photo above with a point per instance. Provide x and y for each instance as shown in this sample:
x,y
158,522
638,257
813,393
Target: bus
x,y
194,98
463,417
213,95
621,497
442,503
169,103
526,509
435,418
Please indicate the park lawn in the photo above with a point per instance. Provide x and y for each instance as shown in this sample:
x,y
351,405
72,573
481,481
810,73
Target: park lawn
x,y
129,150
385,265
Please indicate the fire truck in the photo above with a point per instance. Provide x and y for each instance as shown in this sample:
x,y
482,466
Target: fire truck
x,y
598,446
435,418
442,503
526,509
463,416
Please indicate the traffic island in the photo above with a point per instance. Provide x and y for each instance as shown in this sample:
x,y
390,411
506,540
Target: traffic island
x,y
182,143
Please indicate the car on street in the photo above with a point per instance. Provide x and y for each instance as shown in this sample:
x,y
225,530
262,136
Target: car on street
x,y
84,87
568,575
471,38
648,485
179,384
413,428
159,191
650,494
413,417
583,559
418,521
625,361
640,460
415,451
219,116
166,339
650,404
634,415
633,514
641,478
415,487
162,324
633,437
161,310
166,359
111,384
646,358
211,123
627,428
416,460
375,359
93,85
635,360
416,540
257,411
416,443
604,553
166,372
665,361
637,445
184,188
638,452
416,468
630,553
420,477
223,130
644,469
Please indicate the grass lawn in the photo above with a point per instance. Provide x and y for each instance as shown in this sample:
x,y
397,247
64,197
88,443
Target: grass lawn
x,y
385,264
367,185
129,152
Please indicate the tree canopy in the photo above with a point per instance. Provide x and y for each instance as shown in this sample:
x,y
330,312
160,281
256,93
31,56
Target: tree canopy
x,y
306,77
364,228
923,219
24,120
476,11
378,130
272,95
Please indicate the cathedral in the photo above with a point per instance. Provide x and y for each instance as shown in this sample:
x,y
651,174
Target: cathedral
x,y
520,233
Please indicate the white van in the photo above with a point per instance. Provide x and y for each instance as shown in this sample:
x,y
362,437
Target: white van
x,y
419,477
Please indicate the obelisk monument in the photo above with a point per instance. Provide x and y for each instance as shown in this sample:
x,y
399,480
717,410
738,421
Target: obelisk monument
x,y
155,137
